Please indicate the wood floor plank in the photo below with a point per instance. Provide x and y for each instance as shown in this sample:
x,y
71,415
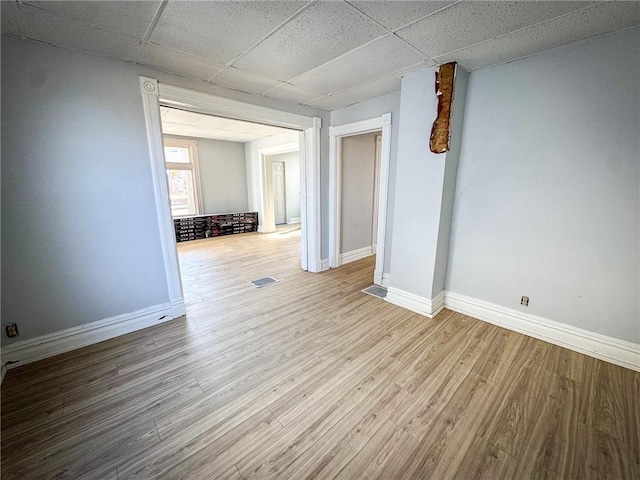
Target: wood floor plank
x,y
311,378
346,441
377,458
521,398
484,461
204,455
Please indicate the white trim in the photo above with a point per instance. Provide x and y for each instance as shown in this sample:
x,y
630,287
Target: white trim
x,y
153,94
336,133
609,349
383,191
193,166
322,265
294,220
151,107
277,149
187,99
335,197
359,127
354,255
416,303
310,199
382,279
45,346
267,223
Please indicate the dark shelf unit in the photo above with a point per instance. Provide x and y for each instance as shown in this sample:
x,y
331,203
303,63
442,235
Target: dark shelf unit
x,y
207,226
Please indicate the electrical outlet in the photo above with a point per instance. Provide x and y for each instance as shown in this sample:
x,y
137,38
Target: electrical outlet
x,y
524,301
12,330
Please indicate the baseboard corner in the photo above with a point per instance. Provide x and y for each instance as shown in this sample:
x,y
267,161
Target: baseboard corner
x,y
416,303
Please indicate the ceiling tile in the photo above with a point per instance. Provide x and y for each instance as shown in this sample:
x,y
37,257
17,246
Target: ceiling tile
x,y
378,87
179,62
597,20
198,125
132,18
467,23
365,91
291,93
220,30
394,15
376,59
245,81
185,117
8,17
324,31
48,27
211,122
171,128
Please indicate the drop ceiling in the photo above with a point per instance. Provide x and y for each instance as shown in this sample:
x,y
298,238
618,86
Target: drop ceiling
x,y
325,54
191,124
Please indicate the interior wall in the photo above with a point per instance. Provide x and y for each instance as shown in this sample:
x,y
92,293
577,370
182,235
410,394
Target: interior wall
x,y
547,197
254,169
292,182
422,213
79,227
376,107
223,176
358,173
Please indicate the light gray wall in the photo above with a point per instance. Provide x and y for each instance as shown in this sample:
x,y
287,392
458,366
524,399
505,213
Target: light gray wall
x,y
375,107
254,173
449,183
358,169
292,182
223,176
79,229
419,188
547,197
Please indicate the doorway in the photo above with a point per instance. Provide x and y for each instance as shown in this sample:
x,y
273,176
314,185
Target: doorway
x,y
358,195
279,194
382,146
154,94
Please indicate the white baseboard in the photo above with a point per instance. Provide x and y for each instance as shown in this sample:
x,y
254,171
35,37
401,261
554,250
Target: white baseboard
x,y
294,220
416,303
380,278
28,351
613,350
178,308
322,265
354,255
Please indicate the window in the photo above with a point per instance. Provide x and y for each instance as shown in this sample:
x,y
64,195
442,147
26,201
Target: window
x,y
181,160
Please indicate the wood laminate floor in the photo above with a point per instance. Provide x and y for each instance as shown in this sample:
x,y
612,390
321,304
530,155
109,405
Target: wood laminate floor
x,y
310,378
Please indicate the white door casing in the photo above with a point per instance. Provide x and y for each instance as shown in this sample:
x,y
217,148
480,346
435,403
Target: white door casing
x,y
153,93
336,133
279,196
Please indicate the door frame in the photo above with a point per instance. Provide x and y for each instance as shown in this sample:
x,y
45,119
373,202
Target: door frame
x,y
336,134
273,189
268,223
153,93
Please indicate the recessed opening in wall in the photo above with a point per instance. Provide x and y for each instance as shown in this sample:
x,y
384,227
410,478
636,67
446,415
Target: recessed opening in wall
x,y
233,179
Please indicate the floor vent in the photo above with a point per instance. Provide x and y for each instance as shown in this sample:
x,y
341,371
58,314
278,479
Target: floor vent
x,y
263,282
376,291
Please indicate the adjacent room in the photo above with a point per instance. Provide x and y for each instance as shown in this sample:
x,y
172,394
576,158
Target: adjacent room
x,y
320,239
207,162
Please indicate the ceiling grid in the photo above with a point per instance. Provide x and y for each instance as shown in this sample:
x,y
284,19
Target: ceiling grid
x,y
327,54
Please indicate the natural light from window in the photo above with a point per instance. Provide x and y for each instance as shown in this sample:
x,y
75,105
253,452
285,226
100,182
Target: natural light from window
x,y
181,162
